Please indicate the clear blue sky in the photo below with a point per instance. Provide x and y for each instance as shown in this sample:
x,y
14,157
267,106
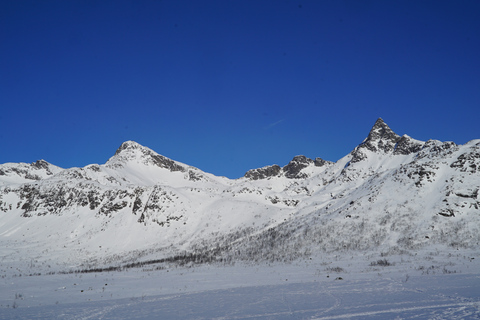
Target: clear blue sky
x,y
228,86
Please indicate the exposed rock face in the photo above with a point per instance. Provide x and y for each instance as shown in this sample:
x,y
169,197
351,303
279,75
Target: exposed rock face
x,y
435,148
29,171
468,162
40,164
293,169
381,138
407,145
128,145
164,162
319,162
130,150
263,173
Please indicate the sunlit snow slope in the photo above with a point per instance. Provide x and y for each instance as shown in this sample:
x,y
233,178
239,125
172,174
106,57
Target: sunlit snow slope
x,y
391,194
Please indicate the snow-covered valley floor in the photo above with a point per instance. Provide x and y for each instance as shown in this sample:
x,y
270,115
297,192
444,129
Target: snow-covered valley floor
x,y
300,290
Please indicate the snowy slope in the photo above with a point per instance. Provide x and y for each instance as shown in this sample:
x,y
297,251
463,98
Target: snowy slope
x,y
391,195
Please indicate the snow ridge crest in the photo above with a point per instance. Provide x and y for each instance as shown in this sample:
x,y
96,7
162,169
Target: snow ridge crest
x,y
131,151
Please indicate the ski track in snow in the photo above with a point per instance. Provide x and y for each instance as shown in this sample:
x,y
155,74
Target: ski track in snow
x,y
364,297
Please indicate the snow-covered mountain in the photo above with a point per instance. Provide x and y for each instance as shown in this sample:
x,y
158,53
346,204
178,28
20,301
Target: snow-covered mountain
x,y
391,195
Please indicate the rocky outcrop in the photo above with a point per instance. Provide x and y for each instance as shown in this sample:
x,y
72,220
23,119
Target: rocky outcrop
x,y
468,162
407,145
130,151
382,139
293,169
319,162
263,173
29,171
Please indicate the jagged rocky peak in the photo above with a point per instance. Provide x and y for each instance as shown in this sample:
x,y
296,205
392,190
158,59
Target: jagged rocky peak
x,y
293,169
40,164
133,151
380,139
263,173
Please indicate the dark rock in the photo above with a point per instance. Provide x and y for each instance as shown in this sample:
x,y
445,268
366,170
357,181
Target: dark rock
x,y
381,138
110,207
319,162
467,162
447,213
472,194
137,205
32,176
193,176
263,173
293,169
40,164
407,145
94,167
422,174
435,148
149,156
164,162
127,145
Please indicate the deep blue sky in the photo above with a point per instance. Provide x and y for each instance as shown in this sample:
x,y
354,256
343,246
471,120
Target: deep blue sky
x,y
228,86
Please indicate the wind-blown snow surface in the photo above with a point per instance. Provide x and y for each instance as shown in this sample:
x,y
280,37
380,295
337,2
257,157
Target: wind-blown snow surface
x,y
392,200
293,291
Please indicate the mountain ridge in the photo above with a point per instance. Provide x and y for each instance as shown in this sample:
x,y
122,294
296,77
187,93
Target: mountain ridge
x,y
391,193
380,138
130,150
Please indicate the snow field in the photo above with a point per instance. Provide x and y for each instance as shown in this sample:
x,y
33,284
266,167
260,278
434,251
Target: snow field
x,y
309,290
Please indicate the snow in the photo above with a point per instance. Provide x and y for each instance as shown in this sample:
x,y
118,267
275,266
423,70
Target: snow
x,y
242,292
216,205
402,231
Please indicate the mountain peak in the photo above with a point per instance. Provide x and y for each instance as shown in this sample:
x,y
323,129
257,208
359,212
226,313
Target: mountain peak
x,y
381,131
380,138
128,145
133,151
